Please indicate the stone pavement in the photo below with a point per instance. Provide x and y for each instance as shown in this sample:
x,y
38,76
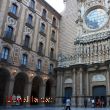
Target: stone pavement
x,y
49,108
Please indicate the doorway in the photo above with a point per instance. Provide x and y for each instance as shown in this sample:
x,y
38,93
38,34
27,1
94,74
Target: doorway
x,y
99,93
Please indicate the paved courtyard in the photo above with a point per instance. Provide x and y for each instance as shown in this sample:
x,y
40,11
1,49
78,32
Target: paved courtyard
x,y
50,108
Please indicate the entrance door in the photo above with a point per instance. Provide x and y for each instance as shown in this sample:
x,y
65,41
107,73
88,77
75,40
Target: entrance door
x,y
68,93
99,92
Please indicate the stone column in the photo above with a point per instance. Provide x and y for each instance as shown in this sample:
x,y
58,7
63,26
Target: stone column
x,y
53,91
81,102
9,91
74,89
108,85
87,82
27,93
42,90
59,90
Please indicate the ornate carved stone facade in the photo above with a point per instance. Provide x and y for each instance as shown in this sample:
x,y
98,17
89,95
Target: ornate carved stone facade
x,y
86,71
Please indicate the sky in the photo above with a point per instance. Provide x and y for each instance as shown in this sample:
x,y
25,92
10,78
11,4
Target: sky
x,y
56,4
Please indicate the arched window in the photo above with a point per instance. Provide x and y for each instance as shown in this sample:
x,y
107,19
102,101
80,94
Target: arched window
x,y
39,65
54,21
5,53
42,29
40,47
50,68
24,59
52,53
30,18
9,32
44,13
27,41
32,4
53,34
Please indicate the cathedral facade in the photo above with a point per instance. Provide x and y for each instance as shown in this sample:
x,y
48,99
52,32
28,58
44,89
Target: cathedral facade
x,y
84,73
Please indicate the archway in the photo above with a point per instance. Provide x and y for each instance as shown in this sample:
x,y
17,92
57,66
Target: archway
x,y
99,92
49,85
37,81
4,78
21,80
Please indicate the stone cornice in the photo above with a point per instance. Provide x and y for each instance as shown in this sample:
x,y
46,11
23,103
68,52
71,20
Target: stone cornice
x,y
93,37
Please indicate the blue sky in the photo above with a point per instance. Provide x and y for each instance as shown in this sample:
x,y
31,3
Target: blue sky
x,y
57,4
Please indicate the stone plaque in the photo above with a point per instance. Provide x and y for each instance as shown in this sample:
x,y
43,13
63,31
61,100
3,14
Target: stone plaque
x,y
98,78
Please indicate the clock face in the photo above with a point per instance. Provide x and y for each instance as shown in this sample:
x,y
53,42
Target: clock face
x,y
96,18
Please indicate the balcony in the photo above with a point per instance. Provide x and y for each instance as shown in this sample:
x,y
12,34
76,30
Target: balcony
x,y
54,25
38,71
53,39
52,57
12,14
23,66
44,18
26,47
42,33
5,60
19,0
8,37
40,53
31,8
29,25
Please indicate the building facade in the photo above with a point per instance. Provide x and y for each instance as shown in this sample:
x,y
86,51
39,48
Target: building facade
x,y
29,31
85,74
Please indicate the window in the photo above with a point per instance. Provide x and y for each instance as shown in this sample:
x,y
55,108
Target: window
x,y
32,4
5,53
51,68
44,13
24,59
30,17
9,32
26,41
42,29
40,47
53,34
14,9
96,18
39,64
51,53
54,21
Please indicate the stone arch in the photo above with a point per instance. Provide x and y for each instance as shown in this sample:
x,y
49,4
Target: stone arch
x,y
4,83
21,80
35,91
50,88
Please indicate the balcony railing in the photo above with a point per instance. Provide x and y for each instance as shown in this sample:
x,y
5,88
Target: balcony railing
x,y
31,7
44,17
53,39
40,53
19,0
42,32
8,37
26,47
54,25
38,70
12,14
29,25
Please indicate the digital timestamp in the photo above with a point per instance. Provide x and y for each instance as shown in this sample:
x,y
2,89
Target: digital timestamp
x,y
29,99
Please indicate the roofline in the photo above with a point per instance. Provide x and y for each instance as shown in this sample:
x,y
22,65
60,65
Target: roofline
x,y
48,6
